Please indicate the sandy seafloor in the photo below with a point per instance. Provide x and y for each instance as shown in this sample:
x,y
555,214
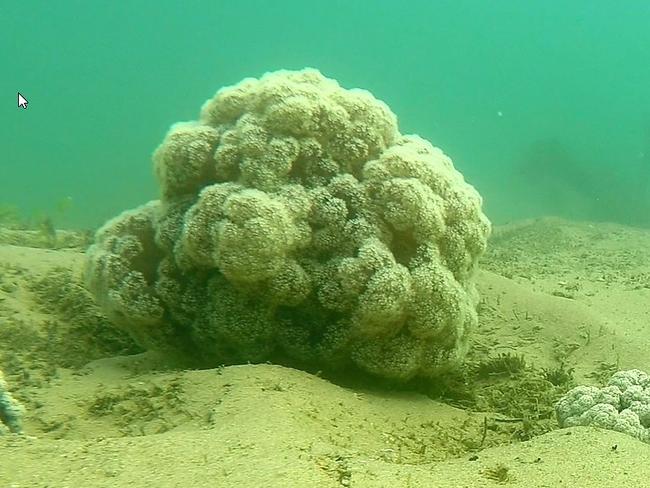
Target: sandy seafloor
x,y
98,417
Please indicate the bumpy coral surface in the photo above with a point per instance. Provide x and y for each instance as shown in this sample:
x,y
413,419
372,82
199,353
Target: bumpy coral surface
x,y
623,405
297,224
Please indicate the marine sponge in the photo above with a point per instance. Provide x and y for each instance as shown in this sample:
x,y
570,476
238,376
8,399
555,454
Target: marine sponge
x,y
11,412
297,224
623,405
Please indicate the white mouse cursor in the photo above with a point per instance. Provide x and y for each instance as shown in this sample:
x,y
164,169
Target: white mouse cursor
x,y
22,101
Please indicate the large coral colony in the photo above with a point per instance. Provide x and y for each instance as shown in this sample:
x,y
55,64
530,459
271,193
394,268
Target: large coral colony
x,y
297,224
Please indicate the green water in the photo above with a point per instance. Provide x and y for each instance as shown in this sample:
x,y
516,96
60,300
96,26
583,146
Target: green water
x,y
543,105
